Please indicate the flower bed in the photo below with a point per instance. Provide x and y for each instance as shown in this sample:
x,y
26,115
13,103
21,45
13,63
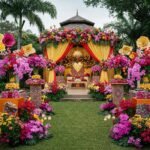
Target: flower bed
x,y
27,128
99,91
55,92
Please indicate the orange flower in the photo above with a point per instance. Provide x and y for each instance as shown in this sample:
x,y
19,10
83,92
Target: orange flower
x,y
132,55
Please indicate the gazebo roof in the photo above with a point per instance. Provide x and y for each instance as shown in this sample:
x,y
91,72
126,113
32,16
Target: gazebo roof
x,y
77,21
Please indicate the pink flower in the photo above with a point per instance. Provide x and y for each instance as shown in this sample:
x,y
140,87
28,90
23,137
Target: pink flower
x,y
8,39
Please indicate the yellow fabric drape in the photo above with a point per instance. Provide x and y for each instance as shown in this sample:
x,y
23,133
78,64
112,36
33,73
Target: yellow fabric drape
x,y
54,54
101,52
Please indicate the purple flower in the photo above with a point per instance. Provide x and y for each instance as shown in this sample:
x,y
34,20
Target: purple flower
x,y
108,89
8,39
123,117
59,69
135,141
37,111
37,61
96,68
107,106
134,74
22,67
46,107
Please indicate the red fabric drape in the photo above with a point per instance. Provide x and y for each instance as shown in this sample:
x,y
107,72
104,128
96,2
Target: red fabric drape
x,y
85,45
69,47
111,51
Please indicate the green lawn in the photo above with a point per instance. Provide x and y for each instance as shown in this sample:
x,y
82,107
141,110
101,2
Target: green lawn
x,y
76,126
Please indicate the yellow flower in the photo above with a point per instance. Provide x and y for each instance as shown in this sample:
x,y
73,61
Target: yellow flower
x,y
125,50
36,76
117,76
1,37
109,96
142,42
28,49
11,86
145,86
2,47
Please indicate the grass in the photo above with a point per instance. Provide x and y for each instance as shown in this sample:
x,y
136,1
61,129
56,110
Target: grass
x,y
76,126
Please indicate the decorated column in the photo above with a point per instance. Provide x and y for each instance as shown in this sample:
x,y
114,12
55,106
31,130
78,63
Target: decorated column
x,y
117,92
35,84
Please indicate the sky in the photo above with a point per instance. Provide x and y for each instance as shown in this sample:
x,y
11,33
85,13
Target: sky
x,y
67,9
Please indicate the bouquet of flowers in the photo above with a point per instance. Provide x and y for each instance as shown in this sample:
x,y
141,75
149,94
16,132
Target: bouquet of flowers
x,y
37,62
55,91
96,69
59,69
118,61
97,91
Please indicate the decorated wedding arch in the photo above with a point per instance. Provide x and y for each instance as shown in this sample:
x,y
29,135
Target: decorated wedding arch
x,y
77,33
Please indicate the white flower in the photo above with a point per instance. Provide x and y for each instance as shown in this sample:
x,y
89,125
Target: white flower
x,y
49,118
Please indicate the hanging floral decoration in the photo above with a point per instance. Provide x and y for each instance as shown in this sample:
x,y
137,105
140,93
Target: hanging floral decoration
x,y
77,36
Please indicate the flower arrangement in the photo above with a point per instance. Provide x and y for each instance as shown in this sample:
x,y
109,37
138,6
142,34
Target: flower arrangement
x,y
35,81
22,67
60,35
10,94
60,69
121,128
10,129
12,86
139,66
96,69
118,61
55,91
48,109
36,76
27,128
97,91
132,131
25,111
37,62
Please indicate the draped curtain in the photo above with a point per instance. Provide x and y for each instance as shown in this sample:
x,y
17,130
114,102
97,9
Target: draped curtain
x,y
56,54
99,53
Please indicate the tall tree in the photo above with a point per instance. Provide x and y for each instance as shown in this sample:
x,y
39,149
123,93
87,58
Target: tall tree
x,y
137,9
127,28
6,26
28,9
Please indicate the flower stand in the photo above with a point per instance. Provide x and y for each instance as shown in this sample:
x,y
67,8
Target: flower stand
x,y
36,90
117,92
95,79
36,94
142,107
60,79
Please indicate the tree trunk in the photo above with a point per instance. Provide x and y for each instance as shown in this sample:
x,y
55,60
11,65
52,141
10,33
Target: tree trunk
x,y
19,32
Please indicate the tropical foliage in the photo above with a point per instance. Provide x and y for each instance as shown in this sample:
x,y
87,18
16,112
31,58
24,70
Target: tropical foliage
x,y
132,17
26,9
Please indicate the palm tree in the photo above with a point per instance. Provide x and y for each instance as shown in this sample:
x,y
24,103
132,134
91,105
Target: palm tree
x,y
27,9
127,28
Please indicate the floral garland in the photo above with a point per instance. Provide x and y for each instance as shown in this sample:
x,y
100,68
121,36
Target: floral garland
x,y
77,36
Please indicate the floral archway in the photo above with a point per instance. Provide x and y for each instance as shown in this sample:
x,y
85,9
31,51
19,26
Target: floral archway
x,y
58,42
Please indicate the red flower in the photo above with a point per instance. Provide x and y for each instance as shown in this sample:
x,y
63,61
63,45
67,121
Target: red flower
x,y
145,136
27,105
9,40
126,104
